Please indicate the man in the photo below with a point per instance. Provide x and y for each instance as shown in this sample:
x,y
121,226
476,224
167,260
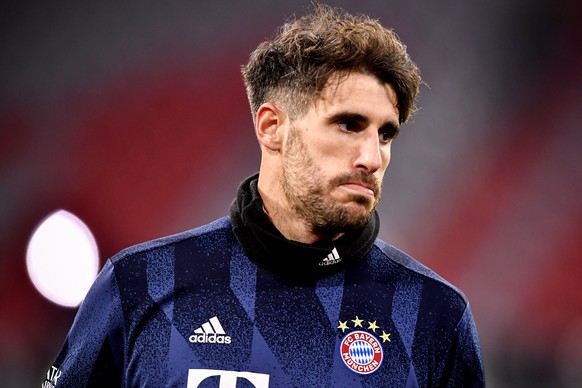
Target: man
x,y
293,288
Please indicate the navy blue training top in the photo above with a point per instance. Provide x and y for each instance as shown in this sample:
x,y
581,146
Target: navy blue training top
x,y
191,310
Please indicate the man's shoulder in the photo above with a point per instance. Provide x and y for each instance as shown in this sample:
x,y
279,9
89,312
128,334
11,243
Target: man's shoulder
x,y
212,230
408,265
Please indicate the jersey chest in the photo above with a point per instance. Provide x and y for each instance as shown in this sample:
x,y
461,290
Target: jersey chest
x,y
247,325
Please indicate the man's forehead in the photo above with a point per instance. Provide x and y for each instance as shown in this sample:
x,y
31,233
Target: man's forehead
x,y
351,91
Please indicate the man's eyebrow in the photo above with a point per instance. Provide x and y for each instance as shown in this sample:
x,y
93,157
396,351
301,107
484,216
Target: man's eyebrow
x,y
347,116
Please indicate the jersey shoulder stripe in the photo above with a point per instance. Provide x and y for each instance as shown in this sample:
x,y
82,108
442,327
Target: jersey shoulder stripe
x,y
408,263
159,243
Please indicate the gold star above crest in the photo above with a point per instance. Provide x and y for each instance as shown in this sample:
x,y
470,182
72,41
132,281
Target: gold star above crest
x,y
357,322
343,326
372,326
385,337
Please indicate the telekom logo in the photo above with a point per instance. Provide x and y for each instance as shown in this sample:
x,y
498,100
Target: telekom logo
x,y
227,378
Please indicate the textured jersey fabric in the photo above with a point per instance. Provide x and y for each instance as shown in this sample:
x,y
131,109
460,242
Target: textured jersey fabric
x,y
192,310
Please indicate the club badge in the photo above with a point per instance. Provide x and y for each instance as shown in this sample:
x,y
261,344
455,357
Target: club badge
x,y
360,350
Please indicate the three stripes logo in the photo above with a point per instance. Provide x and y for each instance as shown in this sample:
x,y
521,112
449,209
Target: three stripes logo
x,y
332,258
210,332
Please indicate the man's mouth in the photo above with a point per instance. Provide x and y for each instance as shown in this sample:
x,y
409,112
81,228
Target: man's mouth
x,y
361,188
359,183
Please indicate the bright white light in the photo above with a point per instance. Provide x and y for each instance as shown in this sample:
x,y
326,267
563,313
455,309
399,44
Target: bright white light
x,y
62,259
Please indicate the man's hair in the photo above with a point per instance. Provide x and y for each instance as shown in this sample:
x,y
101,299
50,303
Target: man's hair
x,y
294,67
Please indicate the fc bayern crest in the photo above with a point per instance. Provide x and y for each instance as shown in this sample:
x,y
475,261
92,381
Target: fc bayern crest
x,y
361,352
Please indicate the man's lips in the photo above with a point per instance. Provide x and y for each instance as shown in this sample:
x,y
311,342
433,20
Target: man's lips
x,y
360,188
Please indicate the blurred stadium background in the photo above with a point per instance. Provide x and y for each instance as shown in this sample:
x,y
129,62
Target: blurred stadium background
x,y
132,116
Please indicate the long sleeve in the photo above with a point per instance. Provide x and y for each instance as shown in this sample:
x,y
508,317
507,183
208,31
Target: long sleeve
x,y
92,354
466,362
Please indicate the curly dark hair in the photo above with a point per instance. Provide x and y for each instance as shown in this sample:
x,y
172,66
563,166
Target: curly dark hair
x,y
294,67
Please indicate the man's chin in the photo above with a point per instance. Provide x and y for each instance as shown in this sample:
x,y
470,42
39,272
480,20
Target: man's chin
x,y
341,215
359,219
360,206
351,217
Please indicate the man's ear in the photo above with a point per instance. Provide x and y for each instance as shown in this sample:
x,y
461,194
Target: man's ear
x,y
269,121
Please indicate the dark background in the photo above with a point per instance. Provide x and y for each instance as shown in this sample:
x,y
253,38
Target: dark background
x,y
132,115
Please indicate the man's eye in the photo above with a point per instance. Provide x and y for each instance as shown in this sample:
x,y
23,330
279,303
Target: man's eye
x,y
346,126
386,135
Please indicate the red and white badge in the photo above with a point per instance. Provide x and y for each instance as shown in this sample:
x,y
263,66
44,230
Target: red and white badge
x,y
361,352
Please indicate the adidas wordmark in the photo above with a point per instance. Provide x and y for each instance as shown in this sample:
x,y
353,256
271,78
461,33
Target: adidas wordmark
x,y
210,332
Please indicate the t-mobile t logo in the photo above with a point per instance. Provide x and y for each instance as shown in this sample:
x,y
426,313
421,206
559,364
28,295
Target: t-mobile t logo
x,y
227,378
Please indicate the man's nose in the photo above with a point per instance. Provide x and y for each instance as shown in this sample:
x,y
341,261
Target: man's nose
x,y
370,151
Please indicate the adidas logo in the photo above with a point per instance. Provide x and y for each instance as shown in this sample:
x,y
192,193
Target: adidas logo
x,y
332,258
210,332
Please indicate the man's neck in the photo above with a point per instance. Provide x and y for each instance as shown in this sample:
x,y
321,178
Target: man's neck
x,y
289,224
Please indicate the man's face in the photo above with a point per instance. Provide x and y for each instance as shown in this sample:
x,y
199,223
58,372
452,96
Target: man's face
x,y
335,156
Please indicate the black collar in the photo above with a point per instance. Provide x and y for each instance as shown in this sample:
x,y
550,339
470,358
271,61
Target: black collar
x,y
295,261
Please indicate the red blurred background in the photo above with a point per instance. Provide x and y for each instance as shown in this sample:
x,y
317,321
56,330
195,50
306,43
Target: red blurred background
x,y
133,117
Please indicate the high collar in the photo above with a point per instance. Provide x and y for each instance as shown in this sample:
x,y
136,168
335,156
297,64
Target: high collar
x,y
292,260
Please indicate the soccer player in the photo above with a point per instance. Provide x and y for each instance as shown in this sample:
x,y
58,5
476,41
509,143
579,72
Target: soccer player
x,y
293,288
